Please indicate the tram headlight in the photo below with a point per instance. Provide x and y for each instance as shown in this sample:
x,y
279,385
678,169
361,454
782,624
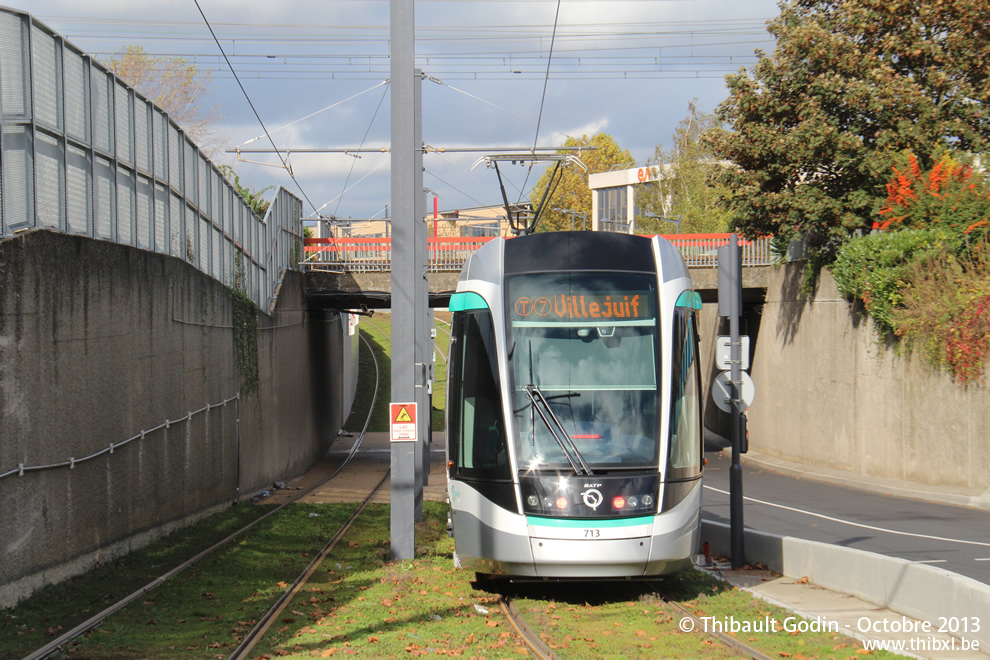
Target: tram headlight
x,y
647,500
632,501
532,501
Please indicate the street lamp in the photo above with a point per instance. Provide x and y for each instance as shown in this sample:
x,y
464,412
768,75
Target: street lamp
x,y
676,223
584,218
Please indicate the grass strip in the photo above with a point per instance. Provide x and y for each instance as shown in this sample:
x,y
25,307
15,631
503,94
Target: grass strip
x,y
361,603
56,608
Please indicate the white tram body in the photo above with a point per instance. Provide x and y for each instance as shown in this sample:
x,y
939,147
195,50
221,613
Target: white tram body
x,y
574,436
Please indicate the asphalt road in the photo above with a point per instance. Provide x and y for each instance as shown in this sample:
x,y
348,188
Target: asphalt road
x,y
954,538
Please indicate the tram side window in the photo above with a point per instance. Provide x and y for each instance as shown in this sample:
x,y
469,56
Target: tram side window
x,y
480,450
685,410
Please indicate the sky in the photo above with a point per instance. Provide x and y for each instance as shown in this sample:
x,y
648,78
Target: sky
x,y
315,72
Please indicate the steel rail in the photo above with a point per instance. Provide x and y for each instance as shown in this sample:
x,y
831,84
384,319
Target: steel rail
x,y
730,641
529,636
257,633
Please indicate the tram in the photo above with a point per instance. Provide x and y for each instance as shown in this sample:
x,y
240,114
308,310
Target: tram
x,y
574,436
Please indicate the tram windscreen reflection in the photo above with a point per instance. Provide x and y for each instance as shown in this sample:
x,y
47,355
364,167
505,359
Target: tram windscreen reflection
x,y
583,350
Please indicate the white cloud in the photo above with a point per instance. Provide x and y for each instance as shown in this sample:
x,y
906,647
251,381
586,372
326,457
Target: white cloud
x,y
473,47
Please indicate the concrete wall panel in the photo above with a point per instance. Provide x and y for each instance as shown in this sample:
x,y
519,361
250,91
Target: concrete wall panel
x,y
99,342
830,393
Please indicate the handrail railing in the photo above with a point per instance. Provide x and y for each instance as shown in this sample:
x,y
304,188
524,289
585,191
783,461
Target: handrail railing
x,y
449,253
699,250
375,254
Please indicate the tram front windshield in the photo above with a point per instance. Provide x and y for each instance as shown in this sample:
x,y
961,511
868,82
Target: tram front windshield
x,y
583,369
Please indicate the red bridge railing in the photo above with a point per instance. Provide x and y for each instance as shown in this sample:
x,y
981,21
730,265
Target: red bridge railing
x,y
449,254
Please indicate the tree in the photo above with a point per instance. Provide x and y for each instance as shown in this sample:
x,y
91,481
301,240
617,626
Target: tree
x,y
816,128
683,187
572,193
176,87
953,195
253,198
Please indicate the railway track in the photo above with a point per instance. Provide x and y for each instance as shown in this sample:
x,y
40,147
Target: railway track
x,y
625,590
59,643
699,626
529,636
264,623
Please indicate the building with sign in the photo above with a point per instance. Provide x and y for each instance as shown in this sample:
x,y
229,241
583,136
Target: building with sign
x,y
613,198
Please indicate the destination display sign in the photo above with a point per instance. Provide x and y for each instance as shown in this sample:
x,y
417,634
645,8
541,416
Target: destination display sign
x,y
618,306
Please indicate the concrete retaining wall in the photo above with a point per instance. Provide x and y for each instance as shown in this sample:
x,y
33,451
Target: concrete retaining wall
x,y
916,590
99,342
827,394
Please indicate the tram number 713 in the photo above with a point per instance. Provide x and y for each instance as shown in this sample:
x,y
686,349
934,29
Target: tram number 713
x,y
592,533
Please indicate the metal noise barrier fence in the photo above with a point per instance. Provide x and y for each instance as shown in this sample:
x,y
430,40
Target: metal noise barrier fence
x,y
83,153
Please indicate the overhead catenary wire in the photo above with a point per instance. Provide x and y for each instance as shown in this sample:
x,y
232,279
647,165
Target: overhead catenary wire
x,y
436,80
371,123
253,109
453,187
546,80
377,167
313,114
624,35
531,226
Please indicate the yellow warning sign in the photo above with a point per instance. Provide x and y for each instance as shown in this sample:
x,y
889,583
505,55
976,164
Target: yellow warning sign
x,y
403,422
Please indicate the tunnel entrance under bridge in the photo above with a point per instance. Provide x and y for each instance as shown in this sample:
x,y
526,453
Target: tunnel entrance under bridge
x,y
370,291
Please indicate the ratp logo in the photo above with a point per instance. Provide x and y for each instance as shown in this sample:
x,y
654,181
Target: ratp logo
x,y
592,498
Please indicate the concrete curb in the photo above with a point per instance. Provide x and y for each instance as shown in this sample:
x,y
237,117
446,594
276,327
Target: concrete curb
x,y
916,590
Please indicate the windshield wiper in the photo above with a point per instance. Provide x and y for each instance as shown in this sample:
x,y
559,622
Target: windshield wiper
x,y
536,396
533,391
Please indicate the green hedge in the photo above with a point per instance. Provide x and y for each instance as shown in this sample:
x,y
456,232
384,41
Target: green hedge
x,y
873,268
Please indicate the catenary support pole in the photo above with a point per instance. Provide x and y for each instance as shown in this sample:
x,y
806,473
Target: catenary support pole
x,y
403,454
421,303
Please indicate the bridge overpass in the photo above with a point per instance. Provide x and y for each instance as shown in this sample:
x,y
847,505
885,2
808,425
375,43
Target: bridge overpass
x,y
355,273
